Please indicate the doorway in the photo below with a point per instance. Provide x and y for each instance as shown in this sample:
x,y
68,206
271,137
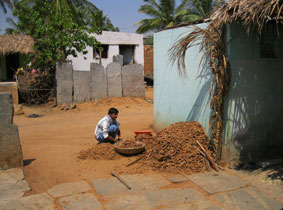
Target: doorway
x,y
12,64
128,53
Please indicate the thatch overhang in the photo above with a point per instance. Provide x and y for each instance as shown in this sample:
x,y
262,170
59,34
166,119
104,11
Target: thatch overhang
x,y
249,13
18,43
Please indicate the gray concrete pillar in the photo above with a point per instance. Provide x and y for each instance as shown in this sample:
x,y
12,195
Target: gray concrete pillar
x,y
98,81
11,155
6,108
114,82
118,59
81,86
133,81
10,146
64,78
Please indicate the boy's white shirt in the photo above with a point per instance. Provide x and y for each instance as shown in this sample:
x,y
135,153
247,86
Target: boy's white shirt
x,y
103,126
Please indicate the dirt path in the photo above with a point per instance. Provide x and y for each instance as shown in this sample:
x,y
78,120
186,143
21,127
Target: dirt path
x,y
51,143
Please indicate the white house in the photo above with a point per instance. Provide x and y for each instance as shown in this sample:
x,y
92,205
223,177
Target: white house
x,y
113,43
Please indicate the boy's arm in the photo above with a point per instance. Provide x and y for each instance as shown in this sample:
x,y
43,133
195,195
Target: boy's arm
x,y
105,129
110,138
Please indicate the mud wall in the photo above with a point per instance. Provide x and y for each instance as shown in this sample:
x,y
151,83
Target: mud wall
x,y
148,61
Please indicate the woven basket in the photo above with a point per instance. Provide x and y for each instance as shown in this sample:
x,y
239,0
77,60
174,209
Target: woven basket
x,y
129,151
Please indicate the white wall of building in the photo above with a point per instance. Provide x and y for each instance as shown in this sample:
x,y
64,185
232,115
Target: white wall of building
x,y
113,39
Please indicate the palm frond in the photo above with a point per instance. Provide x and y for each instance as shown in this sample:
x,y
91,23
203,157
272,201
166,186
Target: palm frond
x,y
4,3
182,6
150,10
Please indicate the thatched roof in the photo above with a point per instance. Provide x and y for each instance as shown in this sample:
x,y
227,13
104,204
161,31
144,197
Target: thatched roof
x,y
257,12
15,44
246,12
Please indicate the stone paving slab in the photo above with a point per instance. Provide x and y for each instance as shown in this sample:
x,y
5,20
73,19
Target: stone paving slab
x,y
33,202
217,182
69,189
152,199
249,199
263,180
199,205
173,196
134,201
177,178
16,190
137,182
85,201
11,175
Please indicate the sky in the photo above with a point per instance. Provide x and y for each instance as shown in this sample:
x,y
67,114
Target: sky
x,y
123,14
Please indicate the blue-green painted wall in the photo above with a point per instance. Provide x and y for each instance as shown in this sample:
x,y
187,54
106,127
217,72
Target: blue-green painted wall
x,y
179,99
253,109
253,115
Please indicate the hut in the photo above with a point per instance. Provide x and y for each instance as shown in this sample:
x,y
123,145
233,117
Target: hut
x,y
239,79
13,48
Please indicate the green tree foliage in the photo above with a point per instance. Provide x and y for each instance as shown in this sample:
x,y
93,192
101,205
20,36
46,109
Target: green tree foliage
x,y
56,35
148,40
96,19
163,13
14,25
203,8
4,3
92,17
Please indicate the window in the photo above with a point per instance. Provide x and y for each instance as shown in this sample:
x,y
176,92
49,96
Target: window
x,y
268,42
267,49
101,51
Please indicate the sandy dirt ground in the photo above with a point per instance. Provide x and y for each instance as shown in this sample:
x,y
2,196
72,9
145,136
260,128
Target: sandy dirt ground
x,y
51,143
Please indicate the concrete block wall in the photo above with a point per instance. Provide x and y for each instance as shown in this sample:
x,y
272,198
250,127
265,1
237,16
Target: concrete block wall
x,y
98,83
11,155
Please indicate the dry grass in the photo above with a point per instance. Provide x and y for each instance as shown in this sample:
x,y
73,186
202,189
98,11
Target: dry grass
x,y
16,44
246,12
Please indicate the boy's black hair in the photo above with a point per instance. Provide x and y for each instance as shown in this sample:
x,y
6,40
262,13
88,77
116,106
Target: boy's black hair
x,y
113,111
